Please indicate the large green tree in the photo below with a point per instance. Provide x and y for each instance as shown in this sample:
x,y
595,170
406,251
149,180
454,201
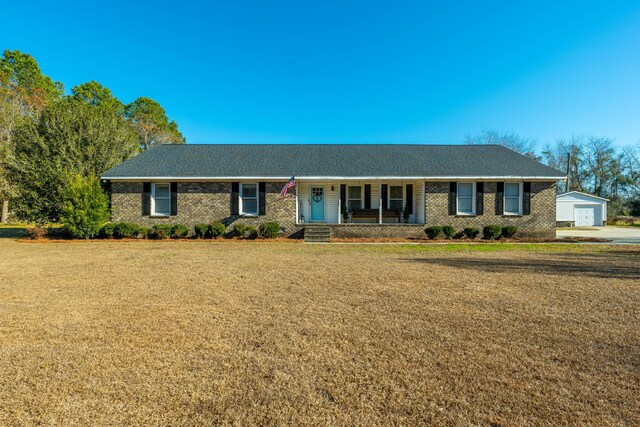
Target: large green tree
x,y
70,137
93,93
151,124
24,92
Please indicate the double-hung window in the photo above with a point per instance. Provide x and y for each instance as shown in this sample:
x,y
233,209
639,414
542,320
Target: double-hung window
x,y
161,199
466,198
248,199
512,198
396,197
354,197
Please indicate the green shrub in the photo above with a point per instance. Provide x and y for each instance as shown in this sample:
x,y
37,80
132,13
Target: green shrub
x,y
471,232
106,232
433,232
448,231
459,235
202,231
125,230
492,232
179,231
269,230
239,230
85,207
217,229
144,232
509,231
161,231
251,232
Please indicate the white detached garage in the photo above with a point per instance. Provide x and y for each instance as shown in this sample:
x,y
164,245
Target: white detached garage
x,y
581,209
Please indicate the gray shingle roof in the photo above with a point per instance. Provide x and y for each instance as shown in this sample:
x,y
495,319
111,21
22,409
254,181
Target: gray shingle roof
x,y
326,160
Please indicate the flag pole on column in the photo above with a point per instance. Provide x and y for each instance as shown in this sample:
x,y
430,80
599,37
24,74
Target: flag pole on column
x,y
288,186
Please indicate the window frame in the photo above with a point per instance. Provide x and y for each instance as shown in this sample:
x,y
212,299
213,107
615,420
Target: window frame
x,y
504,199
241,198
361,199
473,198
154,197
389,198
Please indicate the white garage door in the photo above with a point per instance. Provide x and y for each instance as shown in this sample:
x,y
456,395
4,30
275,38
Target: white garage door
x,y
585,216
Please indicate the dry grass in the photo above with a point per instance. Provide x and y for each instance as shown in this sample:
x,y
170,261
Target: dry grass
x,y
202,333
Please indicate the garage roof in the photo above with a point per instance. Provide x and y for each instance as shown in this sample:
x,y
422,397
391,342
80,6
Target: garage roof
x,y
558,196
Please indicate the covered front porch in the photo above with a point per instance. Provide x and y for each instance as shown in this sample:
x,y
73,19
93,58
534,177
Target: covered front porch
x,y
360,202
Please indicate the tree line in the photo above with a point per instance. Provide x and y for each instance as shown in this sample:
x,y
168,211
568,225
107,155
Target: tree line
x,y
48,138
595,165
55,145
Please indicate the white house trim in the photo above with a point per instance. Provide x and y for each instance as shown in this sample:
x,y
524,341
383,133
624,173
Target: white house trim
x,y
322,178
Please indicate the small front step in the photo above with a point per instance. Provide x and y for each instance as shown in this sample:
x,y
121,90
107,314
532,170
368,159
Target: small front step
x,y
317,234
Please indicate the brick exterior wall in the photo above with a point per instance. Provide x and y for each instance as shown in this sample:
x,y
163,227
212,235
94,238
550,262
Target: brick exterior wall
x,y
202,202
540,223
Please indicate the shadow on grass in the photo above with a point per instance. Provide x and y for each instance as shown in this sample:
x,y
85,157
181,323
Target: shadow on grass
x,y
13,232
574,265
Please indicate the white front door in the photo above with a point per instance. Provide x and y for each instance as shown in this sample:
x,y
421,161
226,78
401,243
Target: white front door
x,y
316,200
585,216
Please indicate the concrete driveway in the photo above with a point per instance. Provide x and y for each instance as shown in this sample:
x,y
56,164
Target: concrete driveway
x,y
617,235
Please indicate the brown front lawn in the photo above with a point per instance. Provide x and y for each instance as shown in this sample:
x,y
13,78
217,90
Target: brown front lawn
x,y
260,333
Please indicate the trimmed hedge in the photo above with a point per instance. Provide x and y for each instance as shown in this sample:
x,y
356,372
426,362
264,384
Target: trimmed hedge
x,y
471,232
492,232
251,232
509,231
239,229
433,232
269,230
107,230
179,231
217,229
161,231
202,231
448,231
125,230
144,232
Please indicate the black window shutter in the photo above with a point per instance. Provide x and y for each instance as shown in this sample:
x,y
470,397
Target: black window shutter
x,y
409,197
526,198
174,198
500,198
235,198
479,198
343,196
262,198
383,196
367,196
453,194
146,198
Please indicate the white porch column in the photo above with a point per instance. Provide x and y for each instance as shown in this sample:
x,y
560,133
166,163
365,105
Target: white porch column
x,y
297,204
380,204
339,210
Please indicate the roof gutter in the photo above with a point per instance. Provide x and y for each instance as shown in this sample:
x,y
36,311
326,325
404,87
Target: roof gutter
x,y
323,178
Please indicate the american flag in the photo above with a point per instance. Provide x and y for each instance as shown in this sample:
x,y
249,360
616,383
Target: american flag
x,y
289,185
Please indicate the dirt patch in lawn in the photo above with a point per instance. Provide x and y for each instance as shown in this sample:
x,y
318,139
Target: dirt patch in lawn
x,y
202,333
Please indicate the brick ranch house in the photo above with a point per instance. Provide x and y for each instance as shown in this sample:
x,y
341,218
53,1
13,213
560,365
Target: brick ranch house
x,y
349,190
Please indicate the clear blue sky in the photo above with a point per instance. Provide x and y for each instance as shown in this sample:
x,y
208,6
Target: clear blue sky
x,y
339,71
